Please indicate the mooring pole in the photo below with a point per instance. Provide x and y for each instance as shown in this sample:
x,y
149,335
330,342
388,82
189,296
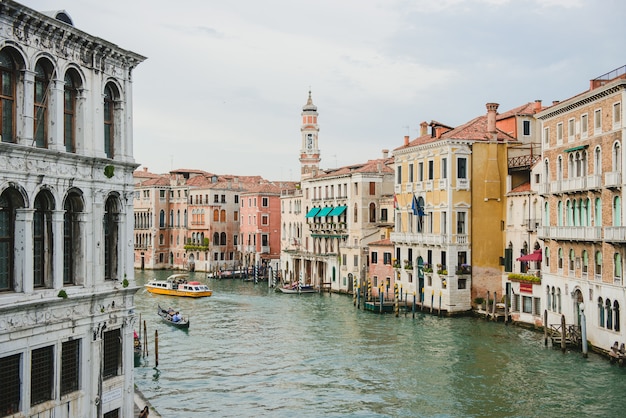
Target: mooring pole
x,y
563,334
583,328
156,348
545,327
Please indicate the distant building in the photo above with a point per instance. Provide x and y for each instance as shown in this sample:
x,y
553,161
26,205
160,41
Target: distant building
x,y
66,272
582,178
336,214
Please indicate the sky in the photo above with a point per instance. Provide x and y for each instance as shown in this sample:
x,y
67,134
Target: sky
x,y
224,82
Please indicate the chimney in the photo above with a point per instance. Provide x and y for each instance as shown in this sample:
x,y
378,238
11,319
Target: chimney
x,y
555,102
145,169
537,107
423,129
385,153
491,117
406,140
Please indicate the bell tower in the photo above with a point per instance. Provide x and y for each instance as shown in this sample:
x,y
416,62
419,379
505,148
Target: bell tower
x,y
309,151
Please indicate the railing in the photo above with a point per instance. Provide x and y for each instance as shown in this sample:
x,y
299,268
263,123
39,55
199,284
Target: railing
x,y
615,233
579,233
613,179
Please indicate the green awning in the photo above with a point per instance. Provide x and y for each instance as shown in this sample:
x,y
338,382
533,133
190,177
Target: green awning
x,y
312,213
324,212
337,211
576,148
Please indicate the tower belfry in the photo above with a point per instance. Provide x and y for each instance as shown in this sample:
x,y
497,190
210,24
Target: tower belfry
x,y
309,151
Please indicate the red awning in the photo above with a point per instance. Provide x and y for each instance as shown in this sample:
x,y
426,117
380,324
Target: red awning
x,y
534,256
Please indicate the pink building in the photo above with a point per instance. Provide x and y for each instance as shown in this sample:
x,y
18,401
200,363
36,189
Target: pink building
x,y
381,271
259,226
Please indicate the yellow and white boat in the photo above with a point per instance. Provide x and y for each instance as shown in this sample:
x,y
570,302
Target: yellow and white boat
x,y
178,285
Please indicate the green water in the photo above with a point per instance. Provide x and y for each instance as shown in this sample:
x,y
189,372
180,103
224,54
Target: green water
x,y
253,352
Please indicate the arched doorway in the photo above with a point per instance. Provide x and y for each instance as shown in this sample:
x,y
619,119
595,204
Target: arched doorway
x,y
577,299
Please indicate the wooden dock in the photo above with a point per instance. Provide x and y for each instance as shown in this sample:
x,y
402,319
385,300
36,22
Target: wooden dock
x,y
374,306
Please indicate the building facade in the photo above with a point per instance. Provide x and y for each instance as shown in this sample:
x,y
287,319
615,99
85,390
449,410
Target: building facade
x,y
66,211
581,185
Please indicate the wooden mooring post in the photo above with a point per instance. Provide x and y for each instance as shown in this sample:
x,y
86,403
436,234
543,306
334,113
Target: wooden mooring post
x,y
156,348
545,327
563,334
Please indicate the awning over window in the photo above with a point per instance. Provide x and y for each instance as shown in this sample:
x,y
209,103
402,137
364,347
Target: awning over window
x,y
534,256
324,212
576,148
337,211
312,213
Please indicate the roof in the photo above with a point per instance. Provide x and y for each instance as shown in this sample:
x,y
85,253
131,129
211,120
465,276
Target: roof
x,y
377,166
476,130
382,243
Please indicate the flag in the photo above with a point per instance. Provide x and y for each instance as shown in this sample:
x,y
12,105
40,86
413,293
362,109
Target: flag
x,y
395,202
414,206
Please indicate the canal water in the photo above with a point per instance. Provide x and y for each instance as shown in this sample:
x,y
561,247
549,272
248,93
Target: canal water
x,y
253,352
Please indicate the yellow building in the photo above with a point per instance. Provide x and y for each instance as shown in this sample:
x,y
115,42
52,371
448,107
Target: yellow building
x,y
450,190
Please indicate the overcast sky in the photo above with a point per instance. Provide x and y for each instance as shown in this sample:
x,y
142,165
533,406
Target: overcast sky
x,y
224,82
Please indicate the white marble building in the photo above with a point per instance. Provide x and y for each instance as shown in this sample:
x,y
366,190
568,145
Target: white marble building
x,y
66,219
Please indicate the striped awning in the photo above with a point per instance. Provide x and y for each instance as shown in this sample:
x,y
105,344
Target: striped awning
x,y
324,212
312,213
337,211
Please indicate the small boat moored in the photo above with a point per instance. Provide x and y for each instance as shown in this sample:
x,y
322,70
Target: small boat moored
x,y
178,285
170,316
296,288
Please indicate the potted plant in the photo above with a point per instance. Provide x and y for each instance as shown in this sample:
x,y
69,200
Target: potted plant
x,y
479,303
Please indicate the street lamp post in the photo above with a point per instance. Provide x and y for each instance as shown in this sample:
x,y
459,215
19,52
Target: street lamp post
x,y
583,328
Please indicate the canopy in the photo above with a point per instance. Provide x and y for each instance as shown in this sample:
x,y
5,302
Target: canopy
x,y
337,211
534,256
312,213
324,212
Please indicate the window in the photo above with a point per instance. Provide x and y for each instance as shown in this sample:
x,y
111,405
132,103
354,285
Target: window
x,y
444,168
372,212
265,220
570,130
356,260
559,132
71,236
600,313
374,257
11,384
399,175
7,96
527,304
411,173
112,361
597,121
42,240
223,238
40,121
526,127
109,127
264,202
461,168
584,125
41,375
546,136
10,200
70,366
460,223
387,258
264,240
431,170
598,271
420,171
110,239
373,187
617,114
70,92
112,414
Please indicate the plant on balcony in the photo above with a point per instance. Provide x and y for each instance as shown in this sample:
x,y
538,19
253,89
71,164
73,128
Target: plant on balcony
x,y
408,265
395,263
464,269
526,278
441,270
427,268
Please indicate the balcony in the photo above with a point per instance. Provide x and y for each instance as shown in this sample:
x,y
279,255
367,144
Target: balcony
x,y
570,233
615,233
462,184
428,239
577,184
613,179
443,184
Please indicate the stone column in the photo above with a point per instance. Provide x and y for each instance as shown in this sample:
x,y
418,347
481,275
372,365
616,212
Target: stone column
x,y
57,248
23,255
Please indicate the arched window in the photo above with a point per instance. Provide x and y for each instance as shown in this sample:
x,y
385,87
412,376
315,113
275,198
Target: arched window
x,y
8,76
185,218
597,161
70,93
553,299
372,211
111,236
42,240
548,298
41,100
109,121
161,239
609,314
171,224
600,313
560,258
547,253
616,319
178,218
598,263
216,215
571,259
222,215
559,213
617,263
10,201
356,213
72,242
546,214
223,238
216,238
162,219
558,299
617,211
585,260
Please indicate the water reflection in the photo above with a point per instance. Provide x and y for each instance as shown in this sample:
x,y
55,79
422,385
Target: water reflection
x,y
252,352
